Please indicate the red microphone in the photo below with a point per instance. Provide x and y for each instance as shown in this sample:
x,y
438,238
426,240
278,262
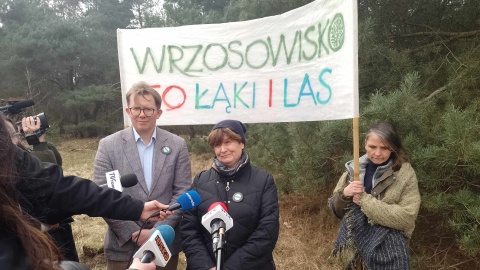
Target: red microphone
x,y
218,203
217,221
217,213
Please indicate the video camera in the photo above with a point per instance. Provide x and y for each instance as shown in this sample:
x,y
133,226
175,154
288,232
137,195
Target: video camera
x,y
16,107
33,137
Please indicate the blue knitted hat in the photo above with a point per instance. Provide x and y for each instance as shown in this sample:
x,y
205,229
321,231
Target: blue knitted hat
x,y
234,125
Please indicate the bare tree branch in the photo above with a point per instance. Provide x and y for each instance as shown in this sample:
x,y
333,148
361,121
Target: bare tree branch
x,y
436,92
441,89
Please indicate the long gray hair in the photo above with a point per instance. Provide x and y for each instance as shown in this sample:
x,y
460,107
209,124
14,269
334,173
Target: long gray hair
x,y
388,133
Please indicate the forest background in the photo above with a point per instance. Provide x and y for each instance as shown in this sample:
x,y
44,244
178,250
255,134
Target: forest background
x,y
419,66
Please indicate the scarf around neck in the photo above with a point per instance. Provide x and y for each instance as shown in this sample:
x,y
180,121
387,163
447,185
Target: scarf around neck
x,y
221,168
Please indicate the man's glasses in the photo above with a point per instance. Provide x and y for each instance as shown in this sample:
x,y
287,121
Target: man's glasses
x,y
136,111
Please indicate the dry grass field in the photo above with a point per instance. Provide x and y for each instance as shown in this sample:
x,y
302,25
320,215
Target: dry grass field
x,y
306,234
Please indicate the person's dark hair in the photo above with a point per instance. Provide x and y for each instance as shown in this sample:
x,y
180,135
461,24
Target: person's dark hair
x,y
388,133
143,89
41,252
215,137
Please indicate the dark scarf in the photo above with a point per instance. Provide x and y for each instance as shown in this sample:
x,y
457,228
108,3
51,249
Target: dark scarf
x,y
370,170
221,168
380,247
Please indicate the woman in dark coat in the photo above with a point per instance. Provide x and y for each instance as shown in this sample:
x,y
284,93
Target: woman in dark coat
x,y
250,196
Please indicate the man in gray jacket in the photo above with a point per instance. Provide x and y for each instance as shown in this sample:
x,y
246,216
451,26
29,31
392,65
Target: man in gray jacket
x,y
161,162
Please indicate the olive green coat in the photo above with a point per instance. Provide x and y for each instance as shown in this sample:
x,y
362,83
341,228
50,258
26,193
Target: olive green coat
x,y
394,201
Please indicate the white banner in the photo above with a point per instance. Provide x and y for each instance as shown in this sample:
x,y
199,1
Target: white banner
x,y
298,66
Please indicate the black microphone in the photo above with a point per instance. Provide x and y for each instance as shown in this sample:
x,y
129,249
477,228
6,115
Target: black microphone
x,y
127,180
22,104
17,106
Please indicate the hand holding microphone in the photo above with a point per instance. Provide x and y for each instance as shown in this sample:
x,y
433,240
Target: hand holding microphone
x,y
154,210
186,201
129,180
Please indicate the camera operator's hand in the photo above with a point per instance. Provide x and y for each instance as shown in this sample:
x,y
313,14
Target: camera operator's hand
x,y
29,126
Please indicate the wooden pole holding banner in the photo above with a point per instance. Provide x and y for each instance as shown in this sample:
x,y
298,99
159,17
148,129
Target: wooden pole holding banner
x,y
356,147
356,163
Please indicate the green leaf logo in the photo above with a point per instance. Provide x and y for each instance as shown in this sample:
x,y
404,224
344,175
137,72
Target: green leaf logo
x,y
336,33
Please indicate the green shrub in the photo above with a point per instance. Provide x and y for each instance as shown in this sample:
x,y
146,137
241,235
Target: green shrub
x,y
199,145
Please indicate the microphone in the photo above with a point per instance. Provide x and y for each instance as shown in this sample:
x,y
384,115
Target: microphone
x,y
16,107
156,247
217,221
126,181
186,201
217,213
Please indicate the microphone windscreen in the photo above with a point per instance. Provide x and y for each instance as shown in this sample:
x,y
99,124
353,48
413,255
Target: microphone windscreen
x,y
168,234
128,180
189,200
213,205
22,104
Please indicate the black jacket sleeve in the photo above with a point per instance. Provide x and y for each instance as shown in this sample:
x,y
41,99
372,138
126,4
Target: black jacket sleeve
x,y
43,185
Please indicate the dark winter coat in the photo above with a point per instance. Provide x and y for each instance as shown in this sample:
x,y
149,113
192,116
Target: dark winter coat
x,y
42,185
251,240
